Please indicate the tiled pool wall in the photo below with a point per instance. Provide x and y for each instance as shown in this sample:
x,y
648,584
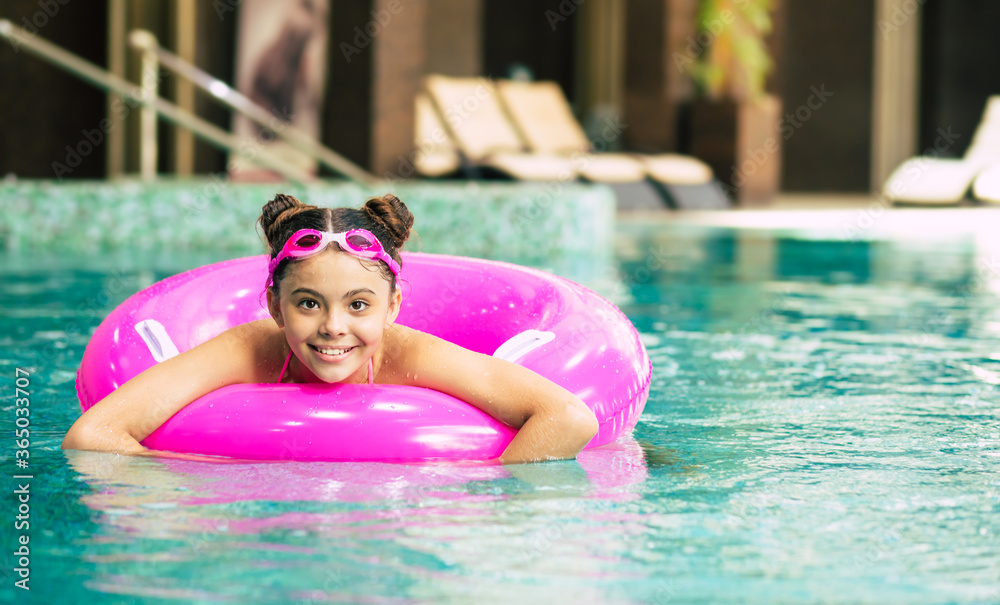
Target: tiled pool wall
x,y
501,220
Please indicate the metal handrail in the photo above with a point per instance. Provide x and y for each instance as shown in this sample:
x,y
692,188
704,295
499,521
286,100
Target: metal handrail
x,y
148,147
102,79
238,102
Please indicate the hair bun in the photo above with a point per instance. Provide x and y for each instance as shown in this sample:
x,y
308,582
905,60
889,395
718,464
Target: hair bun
x,y
391,214
271,213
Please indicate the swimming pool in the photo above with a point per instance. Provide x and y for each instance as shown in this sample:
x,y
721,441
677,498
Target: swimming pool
x,y
822,427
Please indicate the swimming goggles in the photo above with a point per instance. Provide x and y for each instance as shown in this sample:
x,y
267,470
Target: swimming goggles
x,y
356,242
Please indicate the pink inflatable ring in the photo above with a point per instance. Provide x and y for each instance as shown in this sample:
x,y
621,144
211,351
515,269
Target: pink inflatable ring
x,y
559,329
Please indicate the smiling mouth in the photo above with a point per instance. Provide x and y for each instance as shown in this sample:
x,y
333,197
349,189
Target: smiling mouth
x,y
332,352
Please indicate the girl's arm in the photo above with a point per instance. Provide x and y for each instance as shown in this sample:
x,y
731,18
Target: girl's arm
x,y
552,423
120,421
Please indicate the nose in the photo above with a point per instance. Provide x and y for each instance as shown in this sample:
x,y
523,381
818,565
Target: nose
x,y
335,323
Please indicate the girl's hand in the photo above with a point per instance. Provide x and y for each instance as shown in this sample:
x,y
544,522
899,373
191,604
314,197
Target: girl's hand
x,y
120,421
552,423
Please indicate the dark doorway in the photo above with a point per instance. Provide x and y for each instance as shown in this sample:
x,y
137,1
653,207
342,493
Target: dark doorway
x,y
959,44
52,119
538,34
828,43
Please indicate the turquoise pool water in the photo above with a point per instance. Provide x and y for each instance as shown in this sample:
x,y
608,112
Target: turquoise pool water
x,y
823,427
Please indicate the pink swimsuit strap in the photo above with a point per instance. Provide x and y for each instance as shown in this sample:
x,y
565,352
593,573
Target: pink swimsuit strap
x,y
371,369
284,367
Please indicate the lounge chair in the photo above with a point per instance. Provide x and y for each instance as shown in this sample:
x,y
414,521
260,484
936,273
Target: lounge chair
x,y
488,141
471,113
945,181
547,124
986,188
436,155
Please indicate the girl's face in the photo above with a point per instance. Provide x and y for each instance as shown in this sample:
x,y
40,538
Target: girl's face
x,y
334,309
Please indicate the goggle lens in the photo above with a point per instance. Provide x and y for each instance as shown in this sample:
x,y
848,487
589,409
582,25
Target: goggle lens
x,y
359,241
307,241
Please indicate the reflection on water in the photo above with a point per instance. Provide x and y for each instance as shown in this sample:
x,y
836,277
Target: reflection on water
x,y
346,524
835,406
822,426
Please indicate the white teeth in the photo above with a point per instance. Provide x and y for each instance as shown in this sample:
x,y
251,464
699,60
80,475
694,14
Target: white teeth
x,y
332,351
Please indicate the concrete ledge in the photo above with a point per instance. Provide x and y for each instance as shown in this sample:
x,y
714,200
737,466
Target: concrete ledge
x,y
488,220
837,218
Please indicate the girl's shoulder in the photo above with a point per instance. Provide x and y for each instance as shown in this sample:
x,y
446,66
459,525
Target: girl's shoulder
x,y
411,357
267,346
399,343
404,342
405,350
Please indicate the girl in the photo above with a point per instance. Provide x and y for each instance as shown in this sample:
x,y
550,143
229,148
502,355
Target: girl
x,y
333,298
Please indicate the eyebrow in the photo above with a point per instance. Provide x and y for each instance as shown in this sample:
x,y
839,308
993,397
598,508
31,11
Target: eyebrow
x,y
308,291
357,291
350,294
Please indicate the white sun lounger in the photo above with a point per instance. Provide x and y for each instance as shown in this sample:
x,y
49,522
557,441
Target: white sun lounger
x,y
987,185
944,181
545,120
527,131
472,114
436,155
547,124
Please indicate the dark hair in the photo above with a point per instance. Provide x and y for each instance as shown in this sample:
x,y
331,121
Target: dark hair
x,y
387,217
